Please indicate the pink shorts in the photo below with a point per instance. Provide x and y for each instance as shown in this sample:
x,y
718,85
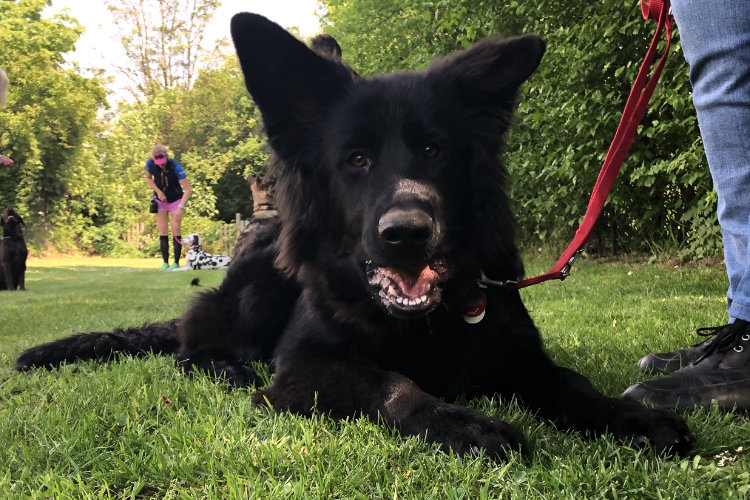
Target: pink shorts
x,y
169,207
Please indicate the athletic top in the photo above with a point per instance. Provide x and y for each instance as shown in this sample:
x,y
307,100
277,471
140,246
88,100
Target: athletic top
x,y
168,180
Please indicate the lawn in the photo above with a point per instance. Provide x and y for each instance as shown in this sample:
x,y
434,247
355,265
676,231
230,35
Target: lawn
x,y
139,428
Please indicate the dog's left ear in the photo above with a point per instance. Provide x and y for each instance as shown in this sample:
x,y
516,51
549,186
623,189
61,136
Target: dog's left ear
x,y
491,70
290,83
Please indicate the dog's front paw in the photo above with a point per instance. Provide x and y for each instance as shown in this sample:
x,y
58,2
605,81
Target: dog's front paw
x,y
467,432
664,430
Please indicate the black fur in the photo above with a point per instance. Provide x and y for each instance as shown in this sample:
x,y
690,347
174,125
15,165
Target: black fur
x,y
157,338
391,202
13,252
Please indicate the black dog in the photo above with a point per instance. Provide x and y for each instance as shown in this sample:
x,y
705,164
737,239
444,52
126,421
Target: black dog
x,y
13,252
363,288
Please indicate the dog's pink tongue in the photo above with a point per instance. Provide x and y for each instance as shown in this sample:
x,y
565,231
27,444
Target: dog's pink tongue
x,y
411,285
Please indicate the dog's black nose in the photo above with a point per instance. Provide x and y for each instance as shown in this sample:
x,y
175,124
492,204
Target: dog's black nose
x,y
406,228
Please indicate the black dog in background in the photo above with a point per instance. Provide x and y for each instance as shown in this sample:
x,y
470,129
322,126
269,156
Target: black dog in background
x,y
361,285
13,252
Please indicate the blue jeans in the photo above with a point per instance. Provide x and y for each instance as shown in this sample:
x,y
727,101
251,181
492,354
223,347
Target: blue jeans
x,y
715,36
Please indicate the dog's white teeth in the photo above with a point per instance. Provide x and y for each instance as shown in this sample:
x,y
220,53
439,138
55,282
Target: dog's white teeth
x,y
406,301
392,291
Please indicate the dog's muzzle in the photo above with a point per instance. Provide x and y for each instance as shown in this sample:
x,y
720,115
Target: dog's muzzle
x,y
407,293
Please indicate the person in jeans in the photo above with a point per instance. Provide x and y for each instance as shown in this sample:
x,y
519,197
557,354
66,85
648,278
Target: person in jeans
x,y
172,191
715,36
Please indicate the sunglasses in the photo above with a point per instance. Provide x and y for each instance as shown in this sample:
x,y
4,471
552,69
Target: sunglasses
x,y
159,157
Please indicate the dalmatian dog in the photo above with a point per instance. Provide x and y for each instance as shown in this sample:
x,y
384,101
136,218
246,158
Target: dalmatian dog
x,y
198,259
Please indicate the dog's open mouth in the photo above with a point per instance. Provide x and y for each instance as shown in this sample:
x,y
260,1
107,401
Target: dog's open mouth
x,y
405,291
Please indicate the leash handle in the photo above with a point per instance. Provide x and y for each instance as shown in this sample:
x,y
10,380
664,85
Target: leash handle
x,y
651,9
635,108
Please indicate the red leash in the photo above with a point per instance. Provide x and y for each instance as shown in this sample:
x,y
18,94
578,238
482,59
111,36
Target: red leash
x,y
635,107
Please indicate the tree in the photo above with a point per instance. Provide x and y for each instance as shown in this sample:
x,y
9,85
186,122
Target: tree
x,y
49,121
163,41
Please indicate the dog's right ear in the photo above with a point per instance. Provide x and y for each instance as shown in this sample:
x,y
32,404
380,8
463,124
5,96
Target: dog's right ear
x,y
291,84
490,72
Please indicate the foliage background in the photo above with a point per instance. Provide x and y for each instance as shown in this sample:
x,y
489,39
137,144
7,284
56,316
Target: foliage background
x,y
78,175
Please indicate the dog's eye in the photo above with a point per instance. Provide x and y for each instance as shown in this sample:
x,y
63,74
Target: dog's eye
x,y
359,160
430,151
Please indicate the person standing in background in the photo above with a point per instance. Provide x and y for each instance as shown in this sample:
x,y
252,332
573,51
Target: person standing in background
x,y
171,192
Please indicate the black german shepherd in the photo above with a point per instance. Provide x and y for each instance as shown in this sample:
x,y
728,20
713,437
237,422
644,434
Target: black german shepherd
x,y
362,290
13,251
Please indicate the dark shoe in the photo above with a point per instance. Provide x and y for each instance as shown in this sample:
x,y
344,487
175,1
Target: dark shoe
x,y
721,374
666,362
693,386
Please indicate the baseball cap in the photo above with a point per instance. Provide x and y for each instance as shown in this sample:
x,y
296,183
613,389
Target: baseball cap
x,y
160,154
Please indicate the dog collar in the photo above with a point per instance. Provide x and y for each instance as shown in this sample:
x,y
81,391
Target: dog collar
x,y
475,307
484,282
477,304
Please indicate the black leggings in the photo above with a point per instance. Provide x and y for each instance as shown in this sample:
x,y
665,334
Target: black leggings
x,y
164,247
177,242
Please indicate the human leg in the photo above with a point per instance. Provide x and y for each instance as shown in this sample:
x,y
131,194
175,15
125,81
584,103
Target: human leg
x,y
162,225
176,223
715,37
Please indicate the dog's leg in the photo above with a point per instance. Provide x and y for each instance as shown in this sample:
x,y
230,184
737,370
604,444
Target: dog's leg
x,y
565,397
8,274
345,389
22,277
233,371
570,401
212,343
238,322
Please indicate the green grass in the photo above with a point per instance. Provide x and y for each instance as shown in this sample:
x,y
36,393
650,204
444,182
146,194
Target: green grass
x,y
139,428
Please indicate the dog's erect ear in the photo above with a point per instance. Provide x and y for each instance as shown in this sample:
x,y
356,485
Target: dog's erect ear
x,y
9,212
326,46
492,70
290,83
